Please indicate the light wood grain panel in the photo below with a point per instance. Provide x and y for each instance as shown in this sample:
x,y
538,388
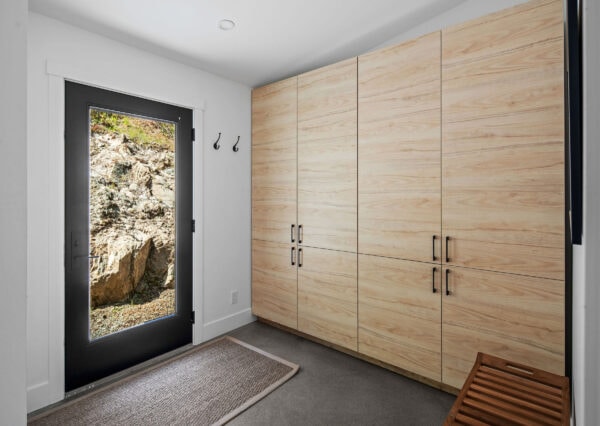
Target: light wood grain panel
x,y
492,34
510,316
274,111
327,296
327,91
399,314
327,163
274,145
399,178
503,142
274,283
526,79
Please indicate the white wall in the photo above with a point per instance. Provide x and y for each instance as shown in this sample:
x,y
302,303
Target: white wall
x,y
222,183
587,348
465,11
13,208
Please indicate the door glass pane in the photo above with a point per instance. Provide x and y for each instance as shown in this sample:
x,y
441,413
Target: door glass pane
x,y
131,221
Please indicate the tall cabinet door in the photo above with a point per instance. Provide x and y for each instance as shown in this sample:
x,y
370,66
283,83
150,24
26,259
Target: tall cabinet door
x,y
399,154
513,317
327,157
503,141
274,274
327,295
400,313
274,161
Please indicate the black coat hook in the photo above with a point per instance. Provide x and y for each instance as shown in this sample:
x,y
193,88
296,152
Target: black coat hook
x,y
216,144
235,147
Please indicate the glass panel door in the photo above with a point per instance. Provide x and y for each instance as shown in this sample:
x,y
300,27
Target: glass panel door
x,y
128,231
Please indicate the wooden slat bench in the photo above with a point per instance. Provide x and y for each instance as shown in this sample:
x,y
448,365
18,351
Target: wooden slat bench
x,y
503,393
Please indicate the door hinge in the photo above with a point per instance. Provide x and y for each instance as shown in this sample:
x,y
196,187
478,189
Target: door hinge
x,y
193,134
193,225
193,317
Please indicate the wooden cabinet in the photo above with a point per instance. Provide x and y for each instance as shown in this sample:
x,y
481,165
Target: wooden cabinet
x,y
399,153
400,313
327,157
274,282
274,161
503,189
503,141
454,139
327,295
511,316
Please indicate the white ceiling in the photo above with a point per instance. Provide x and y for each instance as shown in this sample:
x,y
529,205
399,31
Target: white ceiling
x,y
273,39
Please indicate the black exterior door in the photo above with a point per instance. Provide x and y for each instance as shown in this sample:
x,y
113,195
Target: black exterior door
x,y
92,353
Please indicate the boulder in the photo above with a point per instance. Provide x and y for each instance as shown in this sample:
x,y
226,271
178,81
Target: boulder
x,y
118,271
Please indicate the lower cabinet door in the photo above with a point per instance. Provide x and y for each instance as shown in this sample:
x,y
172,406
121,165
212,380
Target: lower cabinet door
x,y
514,317
400,313
274,282
327,295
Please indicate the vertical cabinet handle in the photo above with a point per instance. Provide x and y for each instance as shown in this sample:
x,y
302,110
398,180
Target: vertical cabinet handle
x,y
447,255
292,233
447,291
300,258
293,256
433,271
433,248
300,234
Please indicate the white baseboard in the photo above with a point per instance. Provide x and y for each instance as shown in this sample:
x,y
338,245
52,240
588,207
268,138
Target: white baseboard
x,y
41,395
226,324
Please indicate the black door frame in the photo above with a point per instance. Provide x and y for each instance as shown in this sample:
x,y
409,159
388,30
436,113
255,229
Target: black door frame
x,y
85,360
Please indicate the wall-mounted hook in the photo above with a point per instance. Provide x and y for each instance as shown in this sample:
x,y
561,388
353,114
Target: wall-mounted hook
x,y
235,146
216,144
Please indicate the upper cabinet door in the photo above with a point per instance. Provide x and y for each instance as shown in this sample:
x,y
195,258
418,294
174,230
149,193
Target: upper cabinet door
x,y
399,195
327,157
274,115
503,141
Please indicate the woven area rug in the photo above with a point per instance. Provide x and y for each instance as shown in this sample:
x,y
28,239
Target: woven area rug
x,y
208,385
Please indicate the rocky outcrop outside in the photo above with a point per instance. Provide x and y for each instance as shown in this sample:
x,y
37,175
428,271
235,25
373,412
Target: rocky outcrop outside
x,y
132,221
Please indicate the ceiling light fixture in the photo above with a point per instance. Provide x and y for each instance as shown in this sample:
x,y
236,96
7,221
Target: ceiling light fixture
x,y
226,24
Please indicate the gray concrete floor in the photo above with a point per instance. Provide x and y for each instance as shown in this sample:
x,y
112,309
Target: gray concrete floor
x,y
333,388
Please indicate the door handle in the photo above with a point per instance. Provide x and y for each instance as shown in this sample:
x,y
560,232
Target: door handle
x,y
300,234
433,271
433,248
292,233
447,256
447,291
292,256
300,258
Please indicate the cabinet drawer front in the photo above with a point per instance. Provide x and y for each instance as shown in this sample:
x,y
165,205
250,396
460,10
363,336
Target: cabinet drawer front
x,y
399,314
274,283
510,316
327,296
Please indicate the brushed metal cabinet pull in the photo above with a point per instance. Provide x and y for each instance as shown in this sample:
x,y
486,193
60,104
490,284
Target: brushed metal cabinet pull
x,y
300,234
300,258
292,256
292,233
